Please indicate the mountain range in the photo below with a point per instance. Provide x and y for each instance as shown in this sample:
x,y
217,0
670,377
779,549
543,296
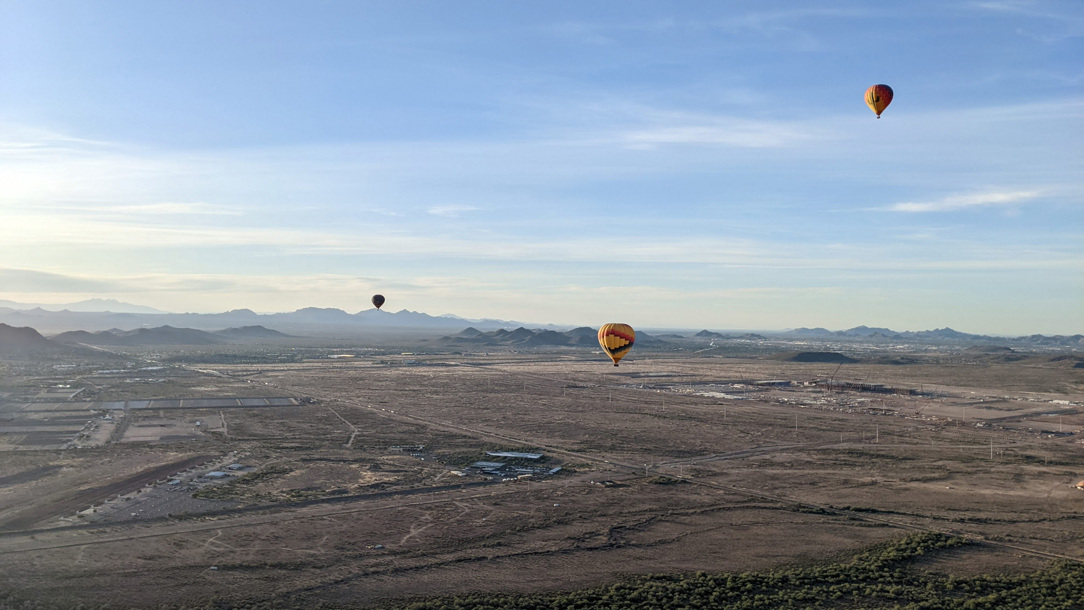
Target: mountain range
x,y
166,335
524,337
26,341
89,305
307,320
317,321
940,335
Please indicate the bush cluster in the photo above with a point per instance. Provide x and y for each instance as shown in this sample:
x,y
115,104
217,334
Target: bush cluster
x,y
880,577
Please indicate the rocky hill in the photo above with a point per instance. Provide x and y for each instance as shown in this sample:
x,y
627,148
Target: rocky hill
x,y
24,341
166,335
820,357
251,332
162,335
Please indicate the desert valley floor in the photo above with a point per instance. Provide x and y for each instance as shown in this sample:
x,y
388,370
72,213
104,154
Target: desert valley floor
x,y
372,478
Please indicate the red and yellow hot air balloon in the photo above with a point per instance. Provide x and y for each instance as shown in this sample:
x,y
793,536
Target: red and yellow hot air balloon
x,y
878,97
616,340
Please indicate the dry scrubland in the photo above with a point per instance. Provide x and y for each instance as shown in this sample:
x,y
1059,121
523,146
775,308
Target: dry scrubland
x,y
670,464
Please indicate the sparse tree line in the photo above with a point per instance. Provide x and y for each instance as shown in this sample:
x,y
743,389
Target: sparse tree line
x,y
882,577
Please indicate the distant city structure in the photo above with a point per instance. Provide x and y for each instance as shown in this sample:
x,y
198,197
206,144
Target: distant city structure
x,y
513,454
510,472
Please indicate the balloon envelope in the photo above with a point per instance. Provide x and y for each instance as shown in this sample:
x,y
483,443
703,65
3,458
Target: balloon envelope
x,y
616,340
878,97
378,300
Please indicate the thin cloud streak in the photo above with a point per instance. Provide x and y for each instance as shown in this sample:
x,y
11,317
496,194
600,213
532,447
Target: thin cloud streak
x,y
954,203
80,233
451,211
730,133
178,208
598,148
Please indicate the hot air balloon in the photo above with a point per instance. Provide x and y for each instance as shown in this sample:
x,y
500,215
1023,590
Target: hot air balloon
x,y
616,340
378,300
878,97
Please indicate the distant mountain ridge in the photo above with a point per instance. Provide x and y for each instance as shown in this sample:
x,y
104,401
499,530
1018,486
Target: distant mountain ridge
x,y
23,342
87,306
934,336
251,332
331,320
583,336
165,335
309,319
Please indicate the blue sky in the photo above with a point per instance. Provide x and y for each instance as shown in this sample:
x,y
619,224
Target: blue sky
x,y
685,165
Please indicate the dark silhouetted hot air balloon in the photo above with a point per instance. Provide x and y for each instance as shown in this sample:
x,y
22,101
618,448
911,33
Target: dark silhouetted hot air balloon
x,y
878,97
616,340
378,300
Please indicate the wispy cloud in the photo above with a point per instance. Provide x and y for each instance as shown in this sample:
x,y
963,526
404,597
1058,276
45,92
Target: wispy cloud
x,y
782,22
25,138
30,280
738,134
451,211
1061,20
645,126
579,32
83,234
774,25
179,208
1030,8
953,203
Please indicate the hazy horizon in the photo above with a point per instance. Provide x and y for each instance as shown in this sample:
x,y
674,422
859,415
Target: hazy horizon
x,y
670,166
141,310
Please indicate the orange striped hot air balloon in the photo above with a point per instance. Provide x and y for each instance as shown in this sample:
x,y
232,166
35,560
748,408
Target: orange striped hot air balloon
x,y
616,340
878,97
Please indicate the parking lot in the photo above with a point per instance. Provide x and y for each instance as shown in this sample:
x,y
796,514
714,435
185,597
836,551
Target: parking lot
x,y
168,498
155,502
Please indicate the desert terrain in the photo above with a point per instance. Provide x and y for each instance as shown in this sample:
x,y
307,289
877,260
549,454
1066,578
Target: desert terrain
x,y
363,477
